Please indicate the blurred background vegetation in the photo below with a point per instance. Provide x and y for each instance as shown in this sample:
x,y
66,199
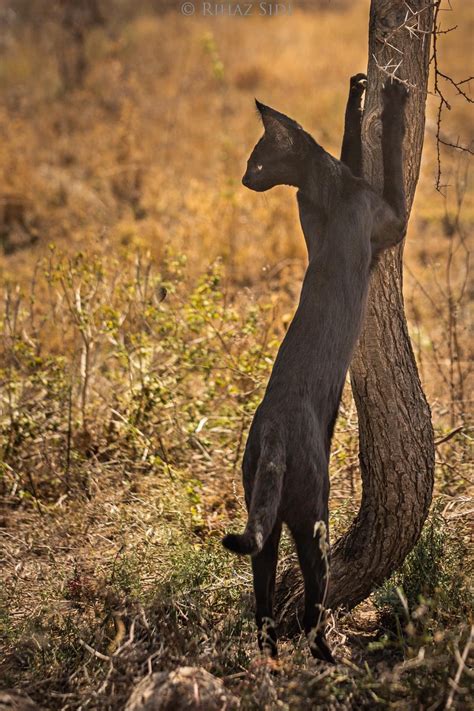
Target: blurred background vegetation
x,y
144,294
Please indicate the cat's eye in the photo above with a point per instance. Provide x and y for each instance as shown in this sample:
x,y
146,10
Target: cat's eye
x,y
259,167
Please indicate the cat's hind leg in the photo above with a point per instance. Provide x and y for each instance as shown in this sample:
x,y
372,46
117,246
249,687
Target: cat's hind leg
x,y
264,566
309,528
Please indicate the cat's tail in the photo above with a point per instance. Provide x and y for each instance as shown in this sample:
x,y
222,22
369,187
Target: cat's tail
x,y
264,504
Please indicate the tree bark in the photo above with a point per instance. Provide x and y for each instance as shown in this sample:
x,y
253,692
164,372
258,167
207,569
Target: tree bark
x,y
395,431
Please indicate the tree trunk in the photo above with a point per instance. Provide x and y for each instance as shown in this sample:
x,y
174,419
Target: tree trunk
x,y
395,431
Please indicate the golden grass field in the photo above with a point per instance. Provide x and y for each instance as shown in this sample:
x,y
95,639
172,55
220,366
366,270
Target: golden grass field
x,y
123,415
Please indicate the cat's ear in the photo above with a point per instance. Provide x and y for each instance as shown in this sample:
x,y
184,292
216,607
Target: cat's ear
x,y
278,126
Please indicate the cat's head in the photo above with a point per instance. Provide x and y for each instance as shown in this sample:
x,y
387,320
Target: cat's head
x,y
279,158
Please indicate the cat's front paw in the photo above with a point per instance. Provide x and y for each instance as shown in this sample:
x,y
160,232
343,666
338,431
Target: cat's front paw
x,y
394,92
358,84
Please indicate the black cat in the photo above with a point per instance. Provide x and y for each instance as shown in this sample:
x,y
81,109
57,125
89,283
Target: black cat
x,y
346,225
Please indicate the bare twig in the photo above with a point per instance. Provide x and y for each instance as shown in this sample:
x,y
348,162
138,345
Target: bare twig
x,y
461,666
449,436
94,652
443,102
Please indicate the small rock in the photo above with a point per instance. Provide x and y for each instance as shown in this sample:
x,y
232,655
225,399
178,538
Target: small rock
x,y
184,689
16,701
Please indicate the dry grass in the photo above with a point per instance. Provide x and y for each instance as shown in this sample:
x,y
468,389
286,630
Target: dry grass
x,y
123,415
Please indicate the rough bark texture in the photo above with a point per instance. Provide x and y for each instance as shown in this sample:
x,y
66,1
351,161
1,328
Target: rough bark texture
x,y
395,431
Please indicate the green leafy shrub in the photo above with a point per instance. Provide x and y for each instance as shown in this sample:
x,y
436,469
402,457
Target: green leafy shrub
x,y
432,586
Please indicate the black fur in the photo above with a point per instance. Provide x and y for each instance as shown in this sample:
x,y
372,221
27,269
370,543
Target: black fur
x,y
346,225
